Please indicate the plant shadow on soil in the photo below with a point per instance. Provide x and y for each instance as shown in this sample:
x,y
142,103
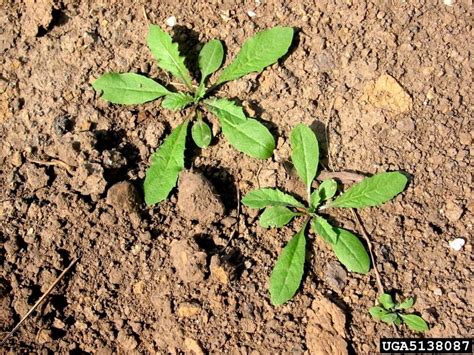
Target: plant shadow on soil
x,y
333,297
234,257
189,47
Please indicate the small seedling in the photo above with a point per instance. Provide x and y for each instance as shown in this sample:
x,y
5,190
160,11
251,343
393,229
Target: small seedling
x,y
281,208
392,313
245,134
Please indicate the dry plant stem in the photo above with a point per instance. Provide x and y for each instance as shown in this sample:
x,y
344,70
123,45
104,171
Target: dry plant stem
x,y
65,271
326,131
54,162
369,244
344,176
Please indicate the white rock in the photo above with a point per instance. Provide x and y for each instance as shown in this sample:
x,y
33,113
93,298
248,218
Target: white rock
x,y
251,13
449,2
171,21
457,244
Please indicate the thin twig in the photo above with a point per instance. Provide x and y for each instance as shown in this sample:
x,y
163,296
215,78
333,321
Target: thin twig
x,y
39,301
145,15
369,244
343,176
326,131
54,162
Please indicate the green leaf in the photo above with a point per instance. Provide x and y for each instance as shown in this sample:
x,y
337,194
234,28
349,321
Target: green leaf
x,y
415,322
276,216
167,54
288,271
226,110
351,252
389,318
327,189
200,92
372,191
177,101
251,138
377,312
314,200
247,135
269,197
128,88
305,153
408,303
258,52
166,163
386,301
210,58
201,134
322,227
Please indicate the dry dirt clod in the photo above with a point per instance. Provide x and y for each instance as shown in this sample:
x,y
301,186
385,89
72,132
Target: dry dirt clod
x,y
188,309
44,336
221,270
325,331
453,211
193,346
127,342
197,198
387,94
123,197
36,177
188,260
336,276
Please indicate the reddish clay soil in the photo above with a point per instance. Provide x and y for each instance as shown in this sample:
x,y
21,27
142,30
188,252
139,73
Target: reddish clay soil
x,y
386,85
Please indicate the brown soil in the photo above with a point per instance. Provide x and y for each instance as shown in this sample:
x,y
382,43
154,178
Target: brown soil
x,y
389,81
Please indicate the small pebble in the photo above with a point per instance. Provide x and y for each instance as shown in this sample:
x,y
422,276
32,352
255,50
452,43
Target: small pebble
x,y
457,244
437,291
251,13
171,21
449,2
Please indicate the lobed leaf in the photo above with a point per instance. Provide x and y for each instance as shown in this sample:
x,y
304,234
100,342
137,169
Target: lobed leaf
x,y
166,163
201,134
250,137
305,153
327,189
389,318
246,135
177,101
386,301
258,52
210,58
167,54
414,322
288,271
372,191
322,227
226,110
269,197
351,252
128,88
377,312
408,303
276,216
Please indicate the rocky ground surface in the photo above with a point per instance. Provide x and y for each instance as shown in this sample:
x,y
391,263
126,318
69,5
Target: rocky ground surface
x,y
386,85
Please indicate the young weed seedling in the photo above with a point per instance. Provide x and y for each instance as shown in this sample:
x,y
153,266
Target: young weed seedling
x,y
245,134
281,208
391,313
